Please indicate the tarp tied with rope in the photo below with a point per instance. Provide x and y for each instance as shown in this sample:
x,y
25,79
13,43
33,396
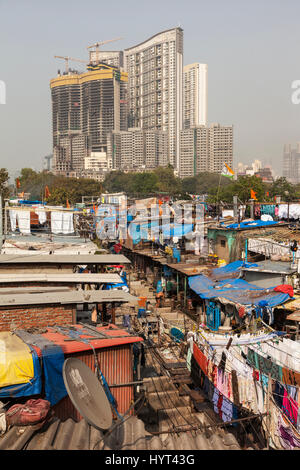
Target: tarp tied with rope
x,y
233,289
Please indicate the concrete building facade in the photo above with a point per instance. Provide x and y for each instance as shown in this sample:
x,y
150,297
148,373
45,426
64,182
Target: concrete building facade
x,y
85,108
138,149
195,95
205,149
291,163
155,86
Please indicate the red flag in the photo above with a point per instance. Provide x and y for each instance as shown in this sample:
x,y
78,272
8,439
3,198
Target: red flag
x,y
68,205
18,184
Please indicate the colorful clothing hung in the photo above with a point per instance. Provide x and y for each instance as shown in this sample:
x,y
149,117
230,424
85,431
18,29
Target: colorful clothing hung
x,y
289,439
290,408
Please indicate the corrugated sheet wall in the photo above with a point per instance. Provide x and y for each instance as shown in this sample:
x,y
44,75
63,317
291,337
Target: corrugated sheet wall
x,y
117,368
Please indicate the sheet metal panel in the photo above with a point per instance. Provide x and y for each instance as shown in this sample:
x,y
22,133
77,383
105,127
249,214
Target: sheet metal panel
x,y
117,367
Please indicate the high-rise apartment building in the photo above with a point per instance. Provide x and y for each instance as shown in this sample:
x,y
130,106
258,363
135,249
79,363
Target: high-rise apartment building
x,y
220,147
115,58
195,95
85,109
205,149
194,151
291,163
138,149
155,86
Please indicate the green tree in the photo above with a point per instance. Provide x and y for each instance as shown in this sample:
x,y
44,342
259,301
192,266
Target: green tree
x,y
241,188
4,189
204,182
167,182
281,187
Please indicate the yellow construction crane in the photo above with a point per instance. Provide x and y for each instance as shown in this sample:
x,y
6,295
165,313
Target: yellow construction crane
x,y
67,59
98,44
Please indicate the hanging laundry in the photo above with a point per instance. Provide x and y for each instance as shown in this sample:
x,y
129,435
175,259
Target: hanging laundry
x,y
62,222
290,408
289,439
42,215
23,218
268,209
200,358
13,220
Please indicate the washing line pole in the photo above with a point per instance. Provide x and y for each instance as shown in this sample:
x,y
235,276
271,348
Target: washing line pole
x,y
246,250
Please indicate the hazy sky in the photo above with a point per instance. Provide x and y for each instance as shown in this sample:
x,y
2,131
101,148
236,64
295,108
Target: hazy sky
x,y
251,48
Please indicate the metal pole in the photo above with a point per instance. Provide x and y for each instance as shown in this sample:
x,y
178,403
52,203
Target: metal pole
x,y
5,218
235,207
251,208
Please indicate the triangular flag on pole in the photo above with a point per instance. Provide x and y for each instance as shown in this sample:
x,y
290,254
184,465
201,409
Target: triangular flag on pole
x,y
68,205
47,192
227,171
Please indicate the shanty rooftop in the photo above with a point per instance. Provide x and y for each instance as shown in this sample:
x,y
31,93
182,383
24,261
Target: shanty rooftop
x,y
269,266
64,259
82,278
65,297
101,337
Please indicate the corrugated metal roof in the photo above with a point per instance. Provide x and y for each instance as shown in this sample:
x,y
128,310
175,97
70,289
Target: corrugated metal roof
x,y
131,435
112,336
64,259
88,278
268,266
66,297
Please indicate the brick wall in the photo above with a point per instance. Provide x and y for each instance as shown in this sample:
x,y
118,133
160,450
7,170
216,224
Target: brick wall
x,y
23,317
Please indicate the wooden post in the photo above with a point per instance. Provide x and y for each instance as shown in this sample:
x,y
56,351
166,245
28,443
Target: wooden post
x,y
268,412
185,282
113,316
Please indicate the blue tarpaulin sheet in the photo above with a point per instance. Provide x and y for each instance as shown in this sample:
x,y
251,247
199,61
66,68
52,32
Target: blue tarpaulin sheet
x,y
232,268
253,224
235,290
140,232
53,361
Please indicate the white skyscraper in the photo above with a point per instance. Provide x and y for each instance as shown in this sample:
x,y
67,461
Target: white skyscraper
x,y
155,86
195,95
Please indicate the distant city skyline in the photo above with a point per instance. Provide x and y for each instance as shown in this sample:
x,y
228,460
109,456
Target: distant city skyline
x,y
250,50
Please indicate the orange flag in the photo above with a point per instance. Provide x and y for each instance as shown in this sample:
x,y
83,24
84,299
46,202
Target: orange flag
x,y
68,205
47,192
253,194
18,184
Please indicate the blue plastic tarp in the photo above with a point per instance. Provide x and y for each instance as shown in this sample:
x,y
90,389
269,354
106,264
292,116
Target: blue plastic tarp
x,y
232,268
253,224
235,290
140,232
53,361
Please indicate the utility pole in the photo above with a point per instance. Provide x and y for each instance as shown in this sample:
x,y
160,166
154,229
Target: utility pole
x,y
235,208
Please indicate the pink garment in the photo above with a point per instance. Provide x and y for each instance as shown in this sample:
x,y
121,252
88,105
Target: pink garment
x,y
290,408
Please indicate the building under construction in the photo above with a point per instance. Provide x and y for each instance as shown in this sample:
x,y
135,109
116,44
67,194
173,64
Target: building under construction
x,y
85,108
